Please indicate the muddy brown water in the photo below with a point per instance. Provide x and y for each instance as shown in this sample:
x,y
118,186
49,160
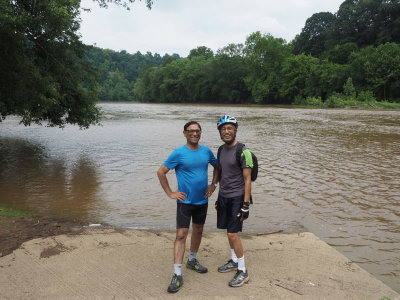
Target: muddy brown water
x,y
335,173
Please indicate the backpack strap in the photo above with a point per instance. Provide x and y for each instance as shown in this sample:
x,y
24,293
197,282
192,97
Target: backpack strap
x,y
218,164
239,151
219,154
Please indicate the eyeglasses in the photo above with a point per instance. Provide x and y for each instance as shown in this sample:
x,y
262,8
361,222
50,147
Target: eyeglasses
x,y
191,131
228,128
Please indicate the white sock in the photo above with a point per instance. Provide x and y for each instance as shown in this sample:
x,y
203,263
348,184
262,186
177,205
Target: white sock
x,y
241,265
192,255
233,255
178,269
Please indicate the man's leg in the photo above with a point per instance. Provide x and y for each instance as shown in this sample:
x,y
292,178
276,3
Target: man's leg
x,y
199,217
193,263
235,244
182,225
232,264
235,226
179,245
197,233
241,275
179,251
224,221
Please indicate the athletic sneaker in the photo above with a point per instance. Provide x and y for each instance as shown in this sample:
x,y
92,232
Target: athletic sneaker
x,y
229,266
239,278
176,283
195,265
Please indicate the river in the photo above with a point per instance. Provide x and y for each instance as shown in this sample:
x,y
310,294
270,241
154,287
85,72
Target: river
x,y
335,173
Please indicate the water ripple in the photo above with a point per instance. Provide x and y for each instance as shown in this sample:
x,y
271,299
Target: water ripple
x,y
332,172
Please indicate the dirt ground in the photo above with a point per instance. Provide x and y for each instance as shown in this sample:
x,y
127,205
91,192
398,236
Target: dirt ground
x,y
41,258
16,230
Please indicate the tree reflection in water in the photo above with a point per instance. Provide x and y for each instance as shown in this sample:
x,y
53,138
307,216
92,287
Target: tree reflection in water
x,y
31,180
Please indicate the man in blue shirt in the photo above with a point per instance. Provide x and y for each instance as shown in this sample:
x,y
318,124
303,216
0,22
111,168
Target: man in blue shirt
x,y
191,167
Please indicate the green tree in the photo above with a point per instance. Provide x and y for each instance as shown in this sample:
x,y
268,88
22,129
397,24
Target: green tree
x,y
42,75
363,22
116,88
329,78
265,56
346,26
378,69
202,77
229,70
172,89
298,74
349,90
195,78
141,90
368,22
314,36
201,51
388,19
122,69
340,54
232,50
124,3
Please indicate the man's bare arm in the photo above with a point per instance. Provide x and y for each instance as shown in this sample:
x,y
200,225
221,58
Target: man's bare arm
x,y
162,176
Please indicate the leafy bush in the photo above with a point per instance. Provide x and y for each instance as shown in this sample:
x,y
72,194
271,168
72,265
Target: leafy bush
x,y
366,97
348,88
299,100
314,101
335,100
309,101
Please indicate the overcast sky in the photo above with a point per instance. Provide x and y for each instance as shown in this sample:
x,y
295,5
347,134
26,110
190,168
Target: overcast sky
x,y
177,26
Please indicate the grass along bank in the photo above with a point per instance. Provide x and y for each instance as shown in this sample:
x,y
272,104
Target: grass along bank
x,y
350,98
352,105
341,101
6,211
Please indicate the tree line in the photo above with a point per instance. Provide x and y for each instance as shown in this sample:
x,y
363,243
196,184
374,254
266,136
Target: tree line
x,y
265,71
48,75
353,55
118,71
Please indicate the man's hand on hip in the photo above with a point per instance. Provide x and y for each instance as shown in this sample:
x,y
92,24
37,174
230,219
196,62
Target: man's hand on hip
x,y
180,196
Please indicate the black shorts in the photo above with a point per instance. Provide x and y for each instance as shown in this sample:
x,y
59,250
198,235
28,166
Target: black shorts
x,y
228,208
185,212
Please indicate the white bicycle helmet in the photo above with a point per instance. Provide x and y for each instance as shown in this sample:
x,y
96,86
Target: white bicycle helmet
x,y
225,120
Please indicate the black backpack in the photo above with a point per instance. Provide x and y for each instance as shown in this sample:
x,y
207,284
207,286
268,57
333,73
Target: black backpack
x,y
239,150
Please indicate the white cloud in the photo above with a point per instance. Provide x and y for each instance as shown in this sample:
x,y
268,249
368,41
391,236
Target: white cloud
x,y
177,26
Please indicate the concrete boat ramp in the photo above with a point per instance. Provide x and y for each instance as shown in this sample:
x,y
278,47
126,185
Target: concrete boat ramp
x,y
104,263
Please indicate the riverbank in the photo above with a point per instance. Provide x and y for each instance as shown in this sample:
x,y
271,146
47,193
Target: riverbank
x,y
18,227
106,263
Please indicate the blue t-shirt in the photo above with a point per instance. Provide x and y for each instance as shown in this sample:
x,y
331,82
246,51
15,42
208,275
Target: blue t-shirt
x,y
191,168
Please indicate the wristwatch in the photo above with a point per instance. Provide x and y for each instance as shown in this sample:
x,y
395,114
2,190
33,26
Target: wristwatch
x,y
247,204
